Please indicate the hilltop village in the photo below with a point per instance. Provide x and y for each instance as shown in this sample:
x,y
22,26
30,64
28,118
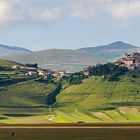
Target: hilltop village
x,y
34,70
32,93
129,61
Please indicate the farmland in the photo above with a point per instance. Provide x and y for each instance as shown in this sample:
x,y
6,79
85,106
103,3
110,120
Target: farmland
x,y
72,132
30,100
95,93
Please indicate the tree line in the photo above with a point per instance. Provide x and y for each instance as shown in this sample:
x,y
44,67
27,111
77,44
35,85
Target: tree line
x,y
109,71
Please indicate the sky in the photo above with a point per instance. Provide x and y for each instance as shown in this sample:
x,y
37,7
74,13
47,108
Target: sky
x,y
68,24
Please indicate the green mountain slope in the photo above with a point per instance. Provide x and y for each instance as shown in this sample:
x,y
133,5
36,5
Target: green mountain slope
x,y
8,50
25,94
8,63
57,59
96,94
111,51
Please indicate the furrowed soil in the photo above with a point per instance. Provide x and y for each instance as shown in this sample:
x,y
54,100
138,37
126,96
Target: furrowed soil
x,y
72,132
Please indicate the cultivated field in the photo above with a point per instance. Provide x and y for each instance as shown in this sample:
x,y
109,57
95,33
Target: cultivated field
x,y
72,132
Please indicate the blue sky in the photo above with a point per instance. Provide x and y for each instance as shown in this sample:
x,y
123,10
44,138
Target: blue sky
x,y
70,24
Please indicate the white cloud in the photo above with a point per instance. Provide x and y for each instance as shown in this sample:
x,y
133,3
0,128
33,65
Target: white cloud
x,y
17,11
7,12
122,25
44,14
124,9
51,14
118,9
83,9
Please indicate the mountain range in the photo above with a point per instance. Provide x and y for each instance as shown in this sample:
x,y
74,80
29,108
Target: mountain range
x,y
70,60
57,59
110,52
8,50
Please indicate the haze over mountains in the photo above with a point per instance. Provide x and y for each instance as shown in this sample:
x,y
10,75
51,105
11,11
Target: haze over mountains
x,y
57,59
70,60
8,50
110,52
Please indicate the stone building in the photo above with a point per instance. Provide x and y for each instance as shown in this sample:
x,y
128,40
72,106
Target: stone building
x,y
131,61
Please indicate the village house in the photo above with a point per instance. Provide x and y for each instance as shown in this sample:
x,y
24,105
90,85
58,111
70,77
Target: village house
x,y
31,73
48,71
131,61
16,67
28,68
59,74
41,72
86,71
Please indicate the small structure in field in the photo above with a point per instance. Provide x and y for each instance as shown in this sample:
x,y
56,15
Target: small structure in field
x,y
31,73
16,67
41,72
59,74
86,71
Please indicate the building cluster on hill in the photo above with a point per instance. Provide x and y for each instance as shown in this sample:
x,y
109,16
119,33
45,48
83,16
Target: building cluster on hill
x,y
131,61
33,70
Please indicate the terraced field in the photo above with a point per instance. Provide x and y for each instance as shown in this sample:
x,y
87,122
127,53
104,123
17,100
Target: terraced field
x,y
45,116
95,100
95,94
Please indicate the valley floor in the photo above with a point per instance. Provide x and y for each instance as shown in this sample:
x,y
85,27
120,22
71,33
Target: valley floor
x,y
31,117
71,132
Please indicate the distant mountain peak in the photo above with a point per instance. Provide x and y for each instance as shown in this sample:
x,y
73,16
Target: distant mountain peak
x,y
119,45
8,50
13,48
119,42
111,51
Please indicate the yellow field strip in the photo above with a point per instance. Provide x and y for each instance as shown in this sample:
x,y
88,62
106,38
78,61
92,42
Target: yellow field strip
x,y
73,127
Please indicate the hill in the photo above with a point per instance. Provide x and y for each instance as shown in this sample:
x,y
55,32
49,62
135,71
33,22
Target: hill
x,y
29,93
94,100
8,50
111,51
95,94
55,59
8,63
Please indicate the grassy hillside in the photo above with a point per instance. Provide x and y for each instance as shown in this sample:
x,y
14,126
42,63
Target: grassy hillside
x,y
8,63
94,100
25,94
57,59
96,94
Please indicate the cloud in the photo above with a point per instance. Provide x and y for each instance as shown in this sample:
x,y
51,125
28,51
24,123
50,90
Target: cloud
x,y
83,9
124,9
18,11
122,25
118,9
44,14
7,12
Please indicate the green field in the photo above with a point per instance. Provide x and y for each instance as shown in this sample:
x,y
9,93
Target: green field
x,y
95,94
8,63
26,100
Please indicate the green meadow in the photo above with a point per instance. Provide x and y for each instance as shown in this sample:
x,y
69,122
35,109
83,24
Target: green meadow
x,y
96,93
96,99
